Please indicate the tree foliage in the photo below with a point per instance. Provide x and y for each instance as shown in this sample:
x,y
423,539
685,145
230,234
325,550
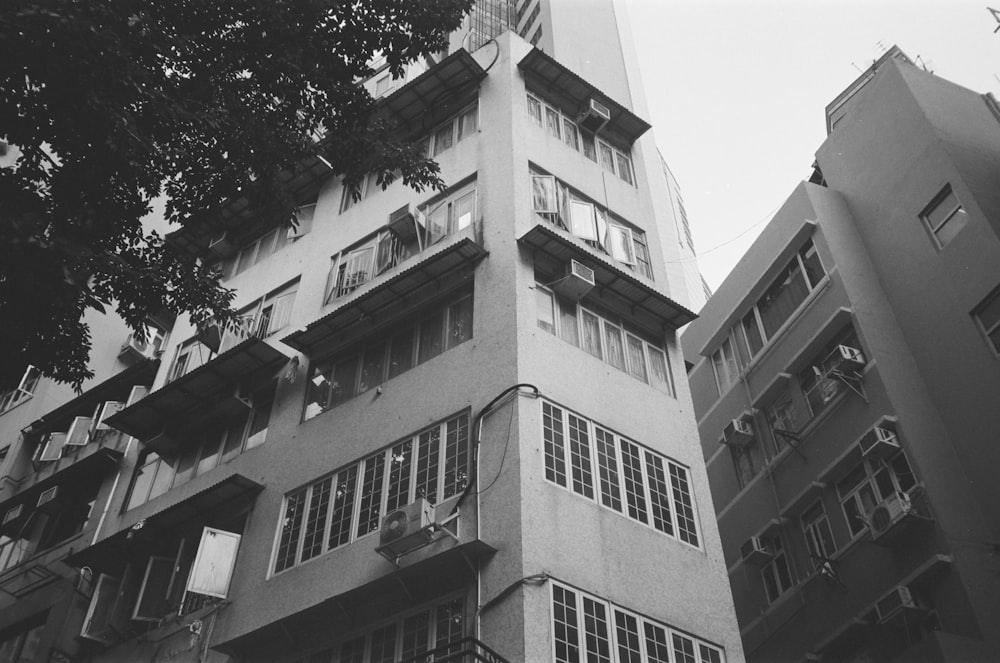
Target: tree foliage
x,y
117,102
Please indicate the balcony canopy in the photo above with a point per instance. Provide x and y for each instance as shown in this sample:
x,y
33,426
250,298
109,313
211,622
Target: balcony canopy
x,y
571,91
233,492
617,288
90,466
115,388
194,396
414,108
448,265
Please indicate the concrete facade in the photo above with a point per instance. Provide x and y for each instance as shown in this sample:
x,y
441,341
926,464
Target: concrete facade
x,y
558,447
858,514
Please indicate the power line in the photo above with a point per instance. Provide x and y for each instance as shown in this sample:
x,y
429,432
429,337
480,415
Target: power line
x,y
729,241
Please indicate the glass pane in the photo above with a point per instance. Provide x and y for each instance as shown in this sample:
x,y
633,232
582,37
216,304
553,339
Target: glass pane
x,y
210,451
613,344
624,167
163,478
620,244
319,503
552,121
752,332
371,494
456,455
942,210
607,156
543,194
373,367
636,358
430,337
400,462
428,452
951,226
318,392
463,210
659,375
468,123
185,466
546,313
535,110
143,480
343,507
570,136
579,457
567,322
266,246
591,333
782,298
810,262
401,352
582,217
589,148
345,380
443,139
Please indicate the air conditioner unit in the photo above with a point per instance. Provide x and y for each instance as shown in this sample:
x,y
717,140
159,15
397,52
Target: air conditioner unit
x,y
578,281
48,500
737,433
407,528
134,349
79,432
222,245
403,224
755,551
887,514
898,600
845,359
594,116
879,442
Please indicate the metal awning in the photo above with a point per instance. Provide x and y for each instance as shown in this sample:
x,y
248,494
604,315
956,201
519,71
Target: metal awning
x,y
616,287
434,94
447,265
89,466
192,396
418,105
234,490
115,388
572,90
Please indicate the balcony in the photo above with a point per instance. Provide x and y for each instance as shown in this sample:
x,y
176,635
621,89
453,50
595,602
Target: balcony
x,y
417,280
618,289
466,650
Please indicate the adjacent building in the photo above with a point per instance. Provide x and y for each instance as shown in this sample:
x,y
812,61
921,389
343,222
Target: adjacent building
x,y
454,424
845,381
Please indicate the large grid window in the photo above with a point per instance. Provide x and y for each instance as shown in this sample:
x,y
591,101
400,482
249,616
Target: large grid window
x,y
604,338
265,317
561,126
381,358
987,316
350,503
632,480
782,298
819,536
587,628
557,203
414,633
944,216
776,574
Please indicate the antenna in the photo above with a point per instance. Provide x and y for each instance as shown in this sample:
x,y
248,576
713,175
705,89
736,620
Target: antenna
x,y
882,45
923,65
996,15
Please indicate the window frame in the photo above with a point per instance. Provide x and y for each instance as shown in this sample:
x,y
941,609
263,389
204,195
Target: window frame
x,y
779,560
880,489
24,390
990,331
956,214
577,458
818,534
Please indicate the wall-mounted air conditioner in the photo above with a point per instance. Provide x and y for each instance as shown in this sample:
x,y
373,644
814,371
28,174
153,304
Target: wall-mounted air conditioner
x,y
845,359
737,433
403,223
898,600
578,281
594,116
888,513
134,349
79,432
756,551
879,442
407,528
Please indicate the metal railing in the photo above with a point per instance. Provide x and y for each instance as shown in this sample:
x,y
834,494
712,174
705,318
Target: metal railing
x,y
466,650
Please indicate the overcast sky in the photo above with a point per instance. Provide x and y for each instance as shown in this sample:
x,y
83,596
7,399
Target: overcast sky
x,y
737,91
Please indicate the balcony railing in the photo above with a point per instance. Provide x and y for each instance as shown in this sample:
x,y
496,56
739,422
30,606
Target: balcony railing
x,y
466,650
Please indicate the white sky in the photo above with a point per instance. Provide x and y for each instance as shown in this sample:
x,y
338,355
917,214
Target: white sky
x,y
737,91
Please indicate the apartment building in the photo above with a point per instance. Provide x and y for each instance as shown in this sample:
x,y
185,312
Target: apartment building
x,y
455,423
845,380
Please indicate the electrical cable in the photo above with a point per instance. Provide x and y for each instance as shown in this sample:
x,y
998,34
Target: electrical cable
x,y
729,241
503,457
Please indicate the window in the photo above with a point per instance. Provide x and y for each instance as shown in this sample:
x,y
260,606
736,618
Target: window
x,y
23,645
383,85
725,365
558,204
869,484
376,360
604,339
348,504
215,443
368,186
535,38
776,575
24,390
600,465
191,354
453,131
748,460
271,242
987,316
587,628
944,216
564,127
819,536
263,318
782,298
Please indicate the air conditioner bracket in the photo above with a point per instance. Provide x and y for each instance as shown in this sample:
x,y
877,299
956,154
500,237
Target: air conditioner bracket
x,y
852,380
432,533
